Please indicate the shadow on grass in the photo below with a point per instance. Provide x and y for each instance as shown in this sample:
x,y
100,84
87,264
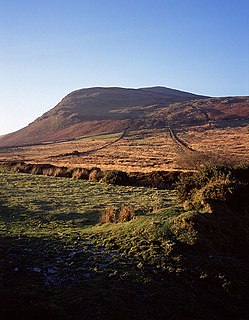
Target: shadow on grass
x,y
89,294
79,288
45,213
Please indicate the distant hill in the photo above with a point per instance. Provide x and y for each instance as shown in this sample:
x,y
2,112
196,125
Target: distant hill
x,y
106,110
97,110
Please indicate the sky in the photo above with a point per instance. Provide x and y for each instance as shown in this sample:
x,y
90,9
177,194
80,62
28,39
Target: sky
x,y
49,48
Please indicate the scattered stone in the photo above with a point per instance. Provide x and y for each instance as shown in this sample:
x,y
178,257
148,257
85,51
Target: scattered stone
x,y
72,254
51,271
113,274
86,275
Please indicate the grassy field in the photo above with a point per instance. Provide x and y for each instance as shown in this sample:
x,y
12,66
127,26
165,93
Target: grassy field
x,y
137,151
57,261
229,142
141,150
52,243
50,205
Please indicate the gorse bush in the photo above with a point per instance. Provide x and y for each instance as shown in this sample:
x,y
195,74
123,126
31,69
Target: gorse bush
x,y
214,184
188,185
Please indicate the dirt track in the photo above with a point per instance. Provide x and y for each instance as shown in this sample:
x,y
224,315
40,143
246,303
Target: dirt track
x,y
181,146
77,154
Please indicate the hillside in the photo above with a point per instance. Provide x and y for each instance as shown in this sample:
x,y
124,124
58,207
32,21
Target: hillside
x,y
94,111
211,110
134,130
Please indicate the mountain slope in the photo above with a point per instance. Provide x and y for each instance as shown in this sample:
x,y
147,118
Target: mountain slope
x,y
213,111
93,111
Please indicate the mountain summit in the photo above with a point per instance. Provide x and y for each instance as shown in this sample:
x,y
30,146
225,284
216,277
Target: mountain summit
x,y
95,110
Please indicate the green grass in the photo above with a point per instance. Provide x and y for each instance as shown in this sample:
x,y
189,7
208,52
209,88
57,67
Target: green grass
x,y
49,223
39,205
66,212
58,262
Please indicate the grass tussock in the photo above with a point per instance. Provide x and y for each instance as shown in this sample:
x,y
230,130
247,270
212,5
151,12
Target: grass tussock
x,y
114,214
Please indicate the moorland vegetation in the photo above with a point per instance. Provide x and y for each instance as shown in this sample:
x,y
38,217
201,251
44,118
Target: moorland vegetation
x,y
127,204
94,249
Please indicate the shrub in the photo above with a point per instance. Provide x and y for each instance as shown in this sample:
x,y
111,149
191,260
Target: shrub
x,y
208,185
115,177
223,192
80,173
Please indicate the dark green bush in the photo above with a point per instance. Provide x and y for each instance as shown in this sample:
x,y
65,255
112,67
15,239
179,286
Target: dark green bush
x,y
115,177
214,184
80,173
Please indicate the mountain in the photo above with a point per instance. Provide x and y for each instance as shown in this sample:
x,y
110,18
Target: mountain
x,y
97,110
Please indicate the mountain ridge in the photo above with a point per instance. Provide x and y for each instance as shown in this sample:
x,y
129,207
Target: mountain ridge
x,y
95,110
100,110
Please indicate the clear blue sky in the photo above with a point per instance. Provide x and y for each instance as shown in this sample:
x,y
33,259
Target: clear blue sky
x,y
49,48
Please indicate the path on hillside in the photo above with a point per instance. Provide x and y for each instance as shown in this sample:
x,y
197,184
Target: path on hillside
x,y
181,146
77,153
58,141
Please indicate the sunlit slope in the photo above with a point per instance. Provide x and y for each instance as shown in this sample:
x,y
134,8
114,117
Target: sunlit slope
x,y
93,111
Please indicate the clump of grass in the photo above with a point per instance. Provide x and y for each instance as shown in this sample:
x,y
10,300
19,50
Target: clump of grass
x,y
95,174
80,173
126,213
113,214
109,215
